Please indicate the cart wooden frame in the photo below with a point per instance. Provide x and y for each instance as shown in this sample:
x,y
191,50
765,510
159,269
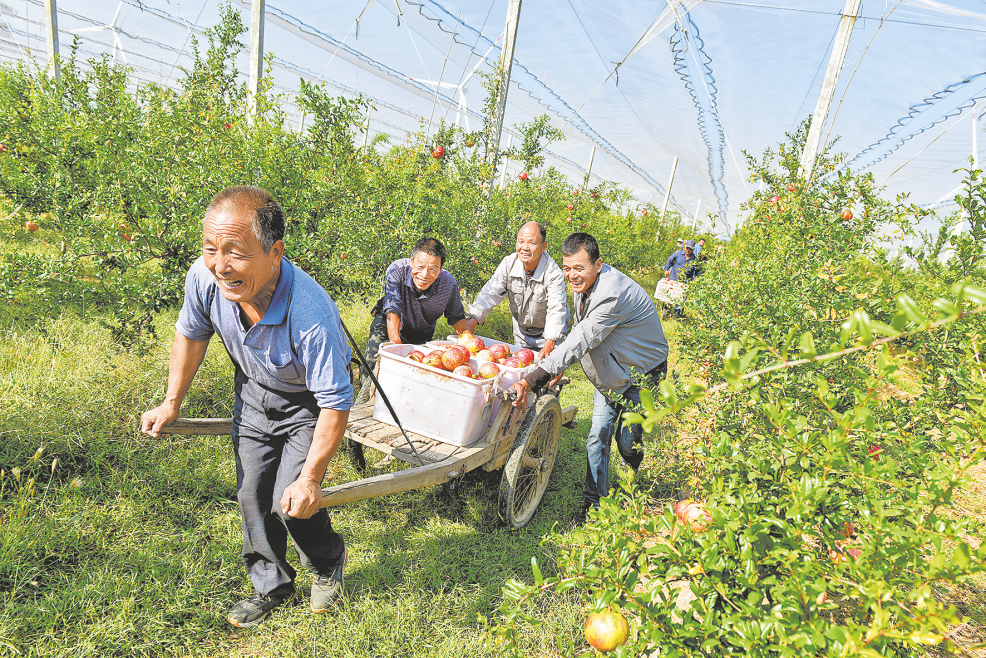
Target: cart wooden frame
x,y
524,442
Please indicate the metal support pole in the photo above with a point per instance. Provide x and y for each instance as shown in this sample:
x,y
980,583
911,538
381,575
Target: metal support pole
x,y
698,206
51,35
366,133
975,139
506,64
667,196
828,87
503,170
588,168
256,51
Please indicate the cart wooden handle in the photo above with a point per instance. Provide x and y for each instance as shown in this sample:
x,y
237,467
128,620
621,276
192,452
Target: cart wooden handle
x,y
200,426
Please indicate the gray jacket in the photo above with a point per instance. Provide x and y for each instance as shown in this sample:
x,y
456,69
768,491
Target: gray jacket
x,y
539,304
621,328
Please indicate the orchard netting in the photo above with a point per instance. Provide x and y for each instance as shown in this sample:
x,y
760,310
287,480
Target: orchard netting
x,y
642,88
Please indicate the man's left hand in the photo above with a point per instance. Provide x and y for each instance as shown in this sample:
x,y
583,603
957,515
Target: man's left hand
x,y
549,345
302,498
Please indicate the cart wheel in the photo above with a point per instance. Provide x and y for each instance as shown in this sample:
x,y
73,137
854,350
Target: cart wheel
x,y
526,473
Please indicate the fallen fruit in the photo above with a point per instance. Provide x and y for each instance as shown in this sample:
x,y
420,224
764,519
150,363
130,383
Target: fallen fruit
x,y
31,225
692,515
606,630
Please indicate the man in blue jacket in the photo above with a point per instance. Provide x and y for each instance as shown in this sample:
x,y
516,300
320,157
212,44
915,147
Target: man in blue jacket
x,y
617,328
680,264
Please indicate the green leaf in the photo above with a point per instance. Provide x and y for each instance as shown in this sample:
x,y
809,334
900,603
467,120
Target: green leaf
x,y
668,394
731,361
963,290
962,557
807,345
883,329
847,328
647,400
911,310
862,319
538,578
948,308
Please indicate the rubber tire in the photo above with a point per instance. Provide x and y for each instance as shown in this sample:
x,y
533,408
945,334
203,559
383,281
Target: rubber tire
x,y
532,457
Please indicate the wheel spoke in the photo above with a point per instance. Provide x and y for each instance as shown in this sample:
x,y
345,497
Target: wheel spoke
x,y
528,470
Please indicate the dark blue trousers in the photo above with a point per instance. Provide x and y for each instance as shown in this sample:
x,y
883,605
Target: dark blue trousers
x,y
272,432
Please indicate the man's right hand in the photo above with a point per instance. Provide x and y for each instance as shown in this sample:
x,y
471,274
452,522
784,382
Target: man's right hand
x,y
471,325
520,389
152,421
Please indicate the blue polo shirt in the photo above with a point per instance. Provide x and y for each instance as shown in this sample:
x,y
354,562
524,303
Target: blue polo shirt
x,y
419,310
297,346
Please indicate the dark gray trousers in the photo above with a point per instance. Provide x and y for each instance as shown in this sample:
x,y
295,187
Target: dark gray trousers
x,y
272,432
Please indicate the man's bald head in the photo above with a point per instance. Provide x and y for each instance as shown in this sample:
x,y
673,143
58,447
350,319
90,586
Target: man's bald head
x,y
530,244
535,226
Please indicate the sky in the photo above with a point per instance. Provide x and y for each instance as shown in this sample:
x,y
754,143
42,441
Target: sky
x,y
643,87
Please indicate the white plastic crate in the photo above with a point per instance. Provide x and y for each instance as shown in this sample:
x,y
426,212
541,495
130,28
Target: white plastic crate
x,y
669,292
438,404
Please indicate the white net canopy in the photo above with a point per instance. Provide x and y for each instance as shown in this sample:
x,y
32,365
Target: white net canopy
x,y
645,85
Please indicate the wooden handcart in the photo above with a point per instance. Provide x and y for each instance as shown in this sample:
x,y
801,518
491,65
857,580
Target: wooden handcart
x,y
524,442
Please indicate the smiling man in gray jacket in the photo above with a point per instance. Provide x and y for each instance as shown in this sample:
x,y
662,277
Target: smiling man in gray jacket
x,y
617,327
535,287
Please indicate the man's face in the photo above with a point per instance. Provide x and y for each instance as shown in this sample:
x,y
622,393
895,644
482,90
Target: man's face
x,y
425,268
688,252
580,271
235,256
529,246
701,242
